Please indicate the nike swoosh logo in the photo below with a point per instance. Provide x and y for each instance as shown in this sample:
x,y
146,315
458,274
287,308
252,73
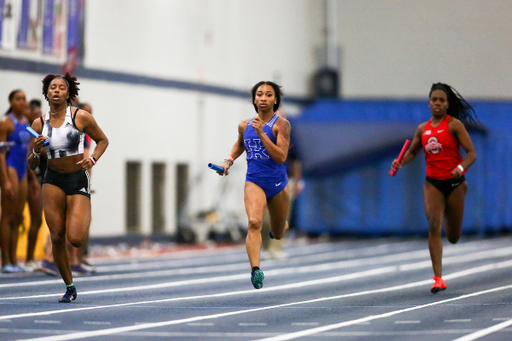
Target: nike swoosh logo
x,y
279,183
440,131
453,185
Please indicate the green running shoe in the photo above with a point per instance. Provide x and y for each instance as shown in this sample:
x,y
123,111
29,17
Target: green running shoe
x,y
69,295
257,278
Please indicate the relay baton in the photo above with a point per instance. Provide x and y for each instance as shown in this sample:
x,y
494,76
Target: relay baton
x,y
216,168
35,135
401,156
6,144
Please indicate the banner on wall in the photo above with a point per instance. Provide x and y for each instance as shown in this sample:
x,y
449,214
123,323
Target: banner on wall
x,y
30,24
8,23
73,43
53,28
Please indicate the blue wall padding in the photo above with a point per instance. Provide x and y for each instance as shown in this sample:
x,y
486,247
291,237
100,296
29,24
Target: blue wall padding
x,y
350,191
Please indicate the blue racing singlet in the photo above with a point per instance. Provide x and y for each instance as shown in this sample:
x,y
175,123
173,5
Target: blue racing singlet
x,y
261,168
16,157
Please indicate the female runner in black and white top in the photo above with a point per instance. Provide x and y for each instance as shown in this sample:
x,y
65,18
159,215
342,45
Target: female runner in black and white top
x,y
66,187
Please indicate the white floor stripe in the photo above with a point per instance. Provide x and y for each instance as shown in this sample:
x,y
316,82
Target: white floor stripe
x,y
403,256
484,332
318,330
282,287
279,272
457,321
80,335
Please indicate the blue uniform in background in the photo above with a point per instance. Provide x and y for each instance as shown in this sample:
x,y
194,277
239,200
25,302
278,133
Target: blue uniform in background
x,y
16,157
261,168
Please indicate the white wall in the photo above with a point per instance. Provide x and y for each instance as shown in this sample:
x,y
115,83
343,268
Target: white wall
x,y
393,48
398,48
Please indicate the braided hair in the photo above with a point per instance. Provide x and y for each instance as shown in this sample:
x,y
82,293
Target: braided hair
x,y
458,107
71,81
277,90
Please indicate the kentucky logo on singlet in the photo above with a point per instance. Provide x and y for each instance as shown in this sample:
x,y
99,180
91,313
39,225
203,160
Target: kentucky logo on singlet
x,y
433,146
255,149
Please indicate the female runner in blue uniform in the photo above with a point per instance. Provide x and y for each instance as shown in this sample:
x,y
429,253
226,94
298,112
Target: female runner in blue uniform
x,y
265,138
66,185
13,178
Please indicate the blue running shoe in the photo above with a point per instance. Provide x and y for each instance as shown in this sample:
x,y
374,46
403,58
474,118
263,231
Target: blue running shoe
x,y
49,268
8,269
79,271
69,296
257,278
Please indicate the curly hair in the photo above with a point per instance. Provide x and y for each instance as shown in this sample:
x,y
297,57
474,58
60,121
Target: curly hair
x,y
277,90
71,81
458,107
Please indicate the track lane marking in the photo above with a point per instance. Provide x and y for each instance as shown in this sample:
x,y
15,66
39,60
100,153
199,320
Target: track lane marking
x,y
80,335
485,332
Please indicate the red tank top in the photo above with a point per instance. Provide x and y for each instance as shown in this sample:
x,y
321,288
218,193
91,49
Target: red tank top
x,y
442,150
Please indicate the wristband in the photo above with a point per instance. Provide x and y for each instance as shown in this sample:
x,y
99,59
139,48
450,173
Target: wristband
x,y
230,160
93,160
461,168
35,154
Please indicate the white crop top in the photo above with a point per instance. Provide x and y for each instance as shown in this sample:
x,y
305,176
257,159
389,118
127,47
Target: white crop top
x,y
66,140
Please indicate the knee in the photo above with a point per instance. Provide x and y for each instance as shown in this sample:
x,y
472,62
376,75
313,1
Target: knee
x,y
255,223
453,239
58,239
76,242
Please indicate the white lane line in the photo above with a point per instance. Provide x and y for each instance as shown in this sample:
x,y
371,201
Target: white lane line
x,y
305,323
201,324
486,331
279,272
457,321
47,321
502,318
395,258
99,323
290,336
363,274
225,294
247,324
408,322
231,267
317,330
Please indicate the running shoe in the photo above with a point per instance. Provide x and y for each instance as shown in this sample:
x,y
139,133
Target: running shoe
x,y
50,268
31,266
439,285
79,271
12,269
88,266
270,235
257,278
69,296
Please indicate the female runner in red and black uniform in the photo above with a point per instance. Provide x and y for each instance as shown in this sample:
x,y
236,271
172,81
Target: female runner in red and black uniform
x,y
445,187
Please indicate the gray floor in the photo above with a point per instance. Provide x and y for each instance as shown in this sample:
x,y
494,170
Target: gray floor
x,y
373,289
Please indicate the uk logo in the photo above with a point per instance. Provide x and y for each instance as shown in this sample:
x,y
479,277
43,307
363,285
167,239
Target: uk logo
x,y
255,149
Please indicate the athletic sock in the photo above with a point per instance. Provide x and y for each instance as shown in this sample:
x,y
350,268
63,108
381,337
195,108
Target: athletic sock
x,y
70,285
254,268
